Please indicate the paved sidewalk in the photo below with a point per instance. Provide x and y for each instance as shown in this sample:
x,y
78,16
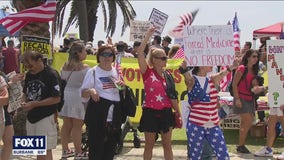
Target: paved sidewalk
x,y
130,153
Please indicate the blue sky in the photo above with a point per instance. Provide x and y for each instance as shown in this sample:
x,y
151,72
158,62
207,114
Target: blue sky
x,y
252,15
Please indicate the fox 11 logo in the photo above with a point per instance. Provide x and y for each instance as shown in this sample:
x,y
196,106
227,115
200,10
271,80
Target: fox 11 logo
x,y
29,145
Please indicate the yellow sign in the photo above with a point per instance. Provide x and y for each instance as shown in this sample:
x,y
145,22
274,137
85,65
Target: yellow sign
x,y
132,77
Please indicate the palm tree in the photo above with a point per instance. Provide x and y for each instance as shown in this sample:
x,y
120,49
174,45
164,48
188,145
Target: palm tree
x,y
87,25
34,28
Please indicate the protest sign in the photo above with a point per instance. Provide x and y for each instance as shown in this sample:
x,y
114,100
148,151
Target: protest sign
x,y
138,30
38,44
15,94
275,56
209,45
159,20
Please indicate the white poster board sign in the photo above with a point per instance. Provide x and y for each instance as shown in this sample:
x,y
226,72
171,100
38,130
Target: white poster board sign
x,y
159,20
209,45
138,30
275,56
15,94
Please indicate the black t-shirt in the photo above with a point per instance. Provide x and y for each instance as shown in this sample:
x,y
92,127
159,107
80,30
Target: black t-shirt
x,y
38,87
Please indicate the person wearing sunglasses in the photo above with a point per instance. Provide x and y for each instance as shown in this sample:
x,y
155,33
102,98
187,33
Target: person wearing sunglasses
x,y
103,114
244,101
157,116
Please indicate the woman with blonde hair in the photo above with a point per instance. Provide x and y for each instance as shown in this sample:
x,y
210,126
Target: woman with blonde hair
x,y
73,110
157,114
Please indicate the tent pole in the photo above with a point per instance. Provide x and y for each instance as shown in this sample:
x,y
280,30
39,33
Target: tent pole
x,y
253,43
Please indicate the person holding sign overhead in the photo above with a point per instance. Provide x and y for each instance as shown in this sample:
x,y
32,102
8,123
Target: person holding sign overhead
x,y
157,116
203,120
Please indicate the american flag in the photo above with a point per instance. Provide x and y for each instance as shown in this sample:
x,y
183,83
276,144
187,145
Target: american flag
x,y
107,82
186,19
117,66
16,21
236,33
179,54
227,79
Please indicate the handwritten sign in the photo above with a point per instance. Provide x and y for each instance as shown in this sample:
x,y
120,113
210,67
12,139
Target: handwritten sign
x,y
275,65
138,29
209,45
159,20
15,94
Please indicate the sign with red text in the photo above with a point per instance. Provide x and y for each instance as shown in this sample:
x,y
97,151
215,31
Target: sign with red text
x,y
209,45
138,30
275,56
159,20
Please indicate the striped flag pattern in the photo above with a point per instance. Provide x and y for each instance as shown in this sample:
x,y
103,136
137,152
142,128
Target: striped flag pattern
x,y
44,13
117,66
186,19
225,81
236,33
179,54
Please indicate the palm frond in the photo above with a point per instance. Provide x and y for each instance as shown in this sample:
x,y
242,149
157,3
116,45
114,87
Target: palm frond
x,y
104,14
73,17
59,16
128,14
112,17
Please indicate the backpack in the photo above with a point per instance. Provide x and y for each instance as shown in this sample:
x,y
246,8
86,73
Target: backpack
x,y
259,79
170,90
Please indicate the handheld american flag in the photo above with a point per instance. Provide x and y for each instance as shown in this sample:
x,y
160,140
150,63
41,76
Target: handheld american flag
x,y
179,54
117,65
186,19
43,13
236,33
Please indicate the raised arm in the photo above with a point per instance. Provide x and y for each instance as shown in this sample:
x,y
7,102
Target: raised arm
x,y
220,75
188,79
140,51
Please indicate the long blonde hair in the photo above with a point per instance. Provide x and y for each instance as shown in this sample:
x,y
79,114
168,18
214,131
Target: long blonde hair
x,y
151,54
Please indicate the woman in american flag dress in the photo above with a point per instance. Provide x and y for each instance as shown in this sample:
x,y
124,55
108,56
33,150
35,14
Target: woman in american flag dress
x,y
203,120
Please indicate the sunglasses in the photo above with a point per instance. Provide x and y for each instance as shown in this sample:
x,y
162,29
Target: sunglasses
x,y
107,54
254,56
164,58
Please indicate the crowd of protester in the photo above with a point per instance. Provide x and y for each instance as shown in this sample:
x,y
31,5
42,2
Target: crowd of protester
x,y
92,98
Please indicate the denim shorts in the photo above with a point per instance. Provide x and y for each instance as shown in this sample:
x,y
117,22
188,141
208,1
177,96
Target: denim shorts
x,y
247,107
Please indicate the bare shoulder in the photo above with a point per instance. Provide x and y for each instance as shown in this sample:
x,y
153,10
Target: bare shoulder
x,y
85,66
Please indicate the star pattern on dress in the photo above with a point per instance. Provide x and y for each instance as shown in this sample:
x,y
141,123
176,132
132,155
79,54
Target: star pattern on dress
x,y
196,137
154,78
159,98
151,89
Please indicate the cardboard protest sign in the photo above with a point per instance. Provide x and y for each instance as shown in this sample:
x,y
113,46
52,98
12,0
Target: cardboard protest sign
x,y
209,45
138,29
38,44
15,94
275,56
159,20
